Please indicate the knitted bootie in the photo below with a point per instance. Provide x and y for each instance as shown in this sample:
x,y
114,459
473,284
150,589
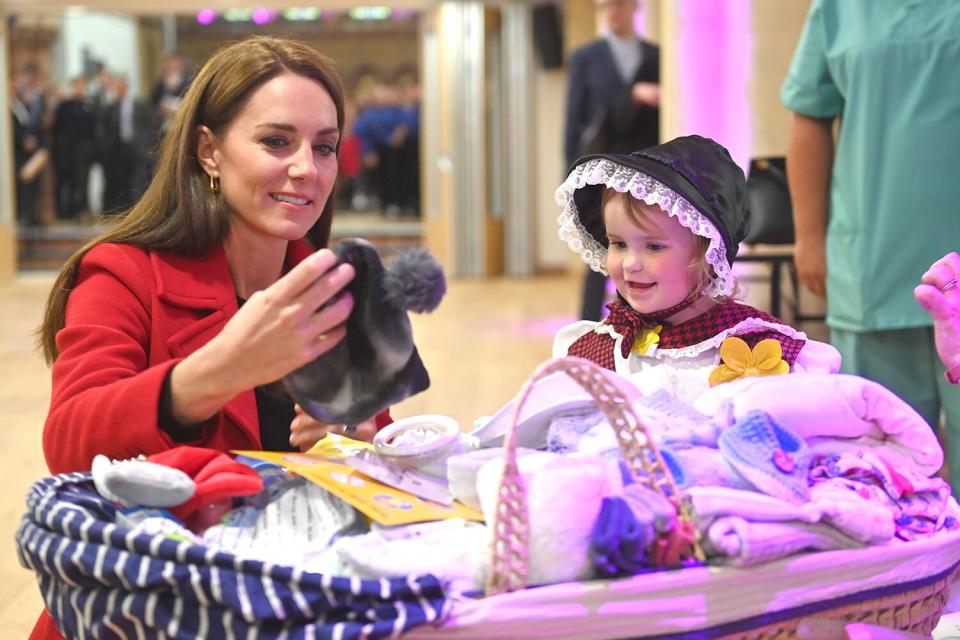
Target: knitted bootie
x,y
618,541
771,458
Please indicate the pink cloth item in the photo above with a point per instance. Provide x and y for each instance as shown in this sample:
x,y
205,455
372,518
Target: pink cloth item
x,y
918,504
861,515
710,503
744,543
217,476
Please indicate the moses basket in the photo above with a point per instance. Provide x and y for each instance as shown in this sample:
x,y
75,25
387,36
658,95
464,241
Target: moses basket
x,y
100,580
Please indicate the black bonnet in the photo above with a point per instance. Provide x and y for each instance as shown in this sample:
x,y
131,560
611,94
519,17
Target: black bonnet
x,y
698,169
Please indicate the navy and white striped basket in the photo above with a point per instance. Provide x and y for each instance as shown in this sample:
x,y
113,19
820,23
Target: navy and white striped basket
x,y
100,580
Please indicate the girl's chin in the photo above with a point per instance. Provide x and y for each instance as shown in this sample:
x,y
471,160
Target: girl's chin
x,y
650,305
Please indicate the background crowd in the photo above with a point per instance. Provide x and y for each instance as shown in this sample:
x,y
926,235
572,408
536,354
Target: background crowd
x,y
380,153
93,125
98,140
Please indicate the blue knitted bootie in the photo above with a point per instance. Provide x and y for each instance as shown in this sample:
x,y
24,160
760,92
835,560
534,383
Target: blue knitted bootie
x,y
770,457
618,541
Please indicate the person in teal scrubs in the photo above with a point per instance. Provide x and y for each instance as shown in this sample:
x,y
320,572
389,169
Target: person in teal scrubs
x,y
874,172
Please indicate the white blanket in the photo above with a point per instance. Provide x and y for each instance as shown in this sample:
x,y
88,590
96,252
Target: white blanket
x,y
834,413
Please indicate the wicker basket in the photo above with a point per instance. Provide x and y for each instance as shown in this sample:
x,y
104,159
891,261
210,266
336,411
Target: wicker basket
x,y
905,605
104,580
915,609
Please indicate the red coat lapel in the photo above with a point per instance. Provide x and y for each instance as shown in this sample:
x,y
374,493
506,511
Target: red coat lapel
x,y
200,291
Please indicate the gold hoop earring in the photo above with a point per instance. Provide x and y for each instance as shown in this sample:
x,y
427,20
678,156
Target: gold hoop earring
x,y
214,183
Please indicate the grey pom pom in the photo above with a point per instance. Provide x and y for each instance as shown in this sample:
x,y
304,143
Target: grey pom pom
x,y
414,280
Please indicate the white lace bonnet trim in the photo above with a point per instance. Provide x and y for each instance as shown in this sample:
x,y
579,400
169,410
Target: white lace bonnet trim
x,y
646,189
750,325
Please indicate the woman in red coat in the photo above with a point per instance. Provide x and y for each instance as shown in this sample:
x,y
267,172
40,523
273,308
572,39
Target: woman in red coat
x,y
171,327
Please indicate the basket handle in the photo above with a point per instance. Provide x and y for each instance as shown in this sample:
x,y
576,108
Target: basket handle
x,y
614,396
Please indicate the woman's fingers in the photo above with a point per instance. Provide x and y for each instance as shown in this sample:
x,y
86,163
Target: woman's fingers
x,y
939,291
331,315
365,431
944,271
933,300
303,275
305,431
322,304
295,320
326,288
952,260
326,341
317,310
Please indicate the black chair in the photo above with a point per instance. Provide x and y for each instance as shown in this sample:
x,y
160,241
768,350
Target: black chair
x,y
770,233
771,214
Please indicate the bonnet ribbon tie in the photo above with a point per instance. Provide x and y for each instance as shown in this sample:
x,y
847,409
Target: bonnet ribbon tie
x,y
628,322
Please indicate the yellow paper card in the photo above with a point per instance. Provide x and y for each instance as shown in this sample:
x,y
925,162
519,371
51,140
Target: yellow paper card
x,y
377,501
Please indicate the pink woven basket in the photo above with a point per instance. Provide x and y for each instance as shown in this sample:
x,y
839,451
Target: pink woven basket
x,y
915,608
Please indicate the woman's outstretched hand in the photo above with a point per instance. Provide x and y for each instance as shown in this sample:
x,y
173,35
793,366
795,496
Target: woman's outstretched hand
x,y
306,431
279,329
939,294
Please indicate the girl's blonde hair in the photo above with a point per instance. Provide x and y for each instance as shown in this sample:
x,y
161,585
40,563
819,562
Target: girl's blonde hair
x,y
179,213
640,215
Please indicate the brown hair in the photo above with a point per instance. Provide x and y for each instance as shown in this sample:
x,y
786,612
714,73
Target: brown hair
x,y
178,213
640,216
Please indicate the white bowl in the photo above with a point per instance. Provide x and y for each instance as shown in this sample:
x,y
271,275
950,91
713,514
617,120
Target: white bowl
x,y
422,442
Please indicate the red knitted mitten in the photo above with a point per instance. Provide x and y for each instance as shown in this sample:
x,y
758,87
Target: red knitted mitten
x,y
218,477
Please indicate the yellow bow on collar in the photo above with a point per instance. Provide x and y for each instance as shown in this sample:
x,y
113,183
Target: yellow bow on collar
x,y
738,361
645,339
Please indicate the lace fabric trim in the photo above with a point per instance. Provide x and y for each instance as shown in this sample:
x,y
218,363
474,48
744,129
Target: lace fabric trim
x,y
647,190
750,325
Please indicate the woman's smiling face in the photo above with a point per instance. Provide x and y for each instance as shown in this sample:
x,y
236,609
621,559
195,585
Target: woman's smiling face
x,y
276,159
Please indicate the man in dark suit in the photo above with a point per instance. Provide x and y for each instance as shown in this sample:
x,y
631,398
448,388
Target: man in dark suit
x,y
169,89
613,105
73,126
125,135
28,110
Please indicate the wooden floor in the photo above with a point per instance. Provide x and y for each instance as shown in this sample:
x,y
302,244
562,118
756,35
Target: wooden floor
x,y
24,395
479,346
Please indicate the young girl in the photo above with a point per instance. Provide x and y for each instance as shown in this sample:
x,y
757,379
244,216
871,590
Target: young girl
x,y
665,224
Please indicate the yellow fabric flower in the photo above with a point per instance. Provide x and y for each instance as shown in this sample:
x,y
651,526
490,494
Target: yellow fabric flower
x,y
646,339
766,359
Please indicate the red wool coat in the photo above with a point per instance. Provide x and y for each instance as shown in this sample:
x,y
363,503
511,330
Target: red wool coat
x,y
132,316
